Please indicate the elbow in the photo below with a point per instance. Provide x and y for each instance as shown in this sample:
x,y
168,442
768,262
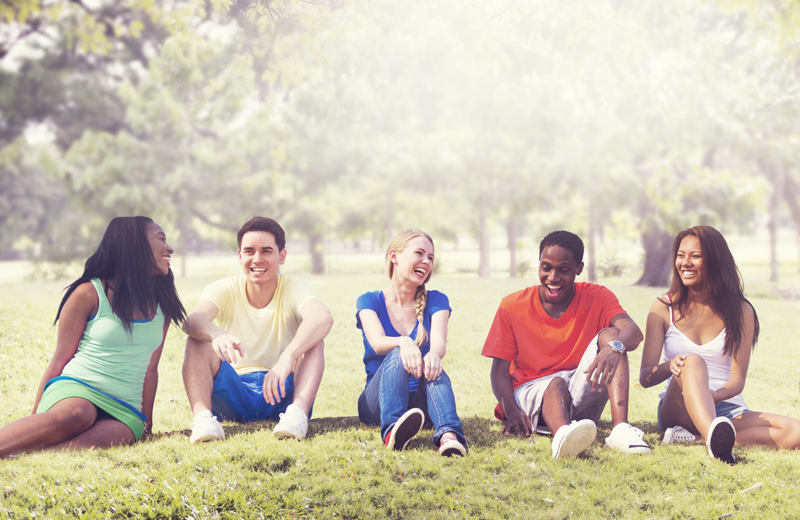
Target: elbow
x,y
644,378
636,340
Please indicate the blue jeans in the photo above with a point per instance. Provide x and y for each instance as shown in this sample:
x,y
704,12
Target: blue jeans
x,y
386,398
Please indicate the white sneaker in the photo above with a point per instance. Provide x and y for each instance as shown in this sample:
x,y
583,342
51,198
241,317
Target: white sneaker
x,y
206,428
721,438
571,439
293,424
627,439
677,434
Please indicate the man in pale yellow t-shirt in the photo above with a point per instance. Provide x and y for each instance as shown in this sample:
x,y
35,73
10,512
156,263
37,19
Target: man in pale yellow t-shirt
x,y
255,348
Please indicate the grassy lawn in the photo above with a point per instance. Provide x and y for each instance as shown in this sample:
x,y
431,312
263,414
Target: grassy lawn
x,y
342,470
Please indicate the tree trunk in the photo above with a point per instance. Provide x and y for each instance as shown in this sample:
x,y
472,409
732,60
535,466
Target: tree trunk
x,y
657,259
776,177
389,216
592,257
511,231
483,264
790,193
317,249
774,215
184,245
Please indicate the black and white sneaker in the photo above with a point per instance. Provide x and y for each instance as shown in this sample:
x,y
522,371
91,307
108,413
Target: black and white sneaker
x,y
408,425
721,438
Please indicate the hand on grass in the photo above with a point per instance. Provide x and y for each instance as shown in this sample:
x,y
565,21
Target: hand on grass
x,y
517,423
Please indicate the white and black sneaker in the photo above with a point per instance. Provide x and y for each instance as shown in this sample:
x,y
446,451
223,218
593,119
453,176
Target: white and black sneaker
x,y
407,426
721,438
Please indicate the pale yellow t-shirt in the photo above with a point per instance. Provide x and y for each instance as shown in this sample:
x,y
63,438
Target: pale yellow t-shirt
x,y
266,332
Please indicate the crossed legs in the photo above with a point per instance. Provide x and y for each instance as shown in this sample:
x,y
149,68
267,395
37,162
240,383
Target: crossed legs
x,y
201,365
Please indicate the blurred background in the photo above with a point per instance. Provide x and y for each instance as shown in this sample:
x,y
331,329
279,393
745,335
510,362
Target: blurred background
x,y
486,123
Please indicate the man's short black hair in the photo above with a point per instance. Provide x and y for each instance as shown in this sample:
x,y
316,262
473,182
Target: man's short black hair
x,y
569,241
263,224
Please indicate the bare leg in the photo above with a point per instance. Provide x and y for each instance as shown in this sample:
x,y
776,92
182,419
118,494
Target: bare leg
x,y
200,367
688,401
767,429
556,404
308,376
619,386
105,433
618,392
66,419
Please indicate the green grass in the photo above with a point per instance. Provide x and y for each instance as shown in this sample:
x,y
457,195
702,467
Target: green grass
x,y
342,470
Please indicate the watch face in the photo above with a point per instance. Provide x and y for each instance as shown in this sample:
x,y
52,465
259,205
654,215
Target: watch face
x,y
617,346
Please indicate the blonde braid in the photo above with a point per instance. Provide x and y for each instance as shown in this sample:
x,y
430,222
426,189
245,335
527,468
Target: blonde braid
x,y
420,301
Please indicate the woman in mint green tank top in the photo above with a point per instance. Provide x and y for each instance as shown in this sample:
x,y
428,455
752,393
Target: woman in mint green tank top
x,y
99,388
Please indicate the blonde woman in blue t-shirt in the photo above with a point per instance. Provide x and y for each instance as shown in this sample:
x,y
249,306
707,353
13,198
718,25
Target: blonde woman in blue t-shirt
x,y
405,339
99,387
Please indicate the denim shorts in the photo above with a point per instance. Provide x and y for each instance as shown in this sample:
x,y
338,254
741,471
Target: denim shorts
x,y
722,409
241,398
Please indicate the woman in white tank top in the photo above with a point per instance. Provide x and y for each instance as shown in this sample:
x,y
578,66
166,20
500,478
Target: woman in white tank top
x,y
706,330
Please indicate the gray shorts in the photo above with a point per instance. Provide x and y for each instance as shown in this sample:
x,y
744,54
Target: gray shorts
x,y
585,403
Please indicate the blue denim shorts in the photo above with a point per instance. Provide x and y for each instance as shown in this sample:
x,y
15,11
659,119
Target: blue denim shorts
x,y
241,398
722,409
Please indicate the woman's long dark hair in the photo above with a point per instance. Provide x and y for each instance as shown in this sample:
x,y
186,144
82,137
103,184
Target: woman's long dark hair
x,y
125,256
722,288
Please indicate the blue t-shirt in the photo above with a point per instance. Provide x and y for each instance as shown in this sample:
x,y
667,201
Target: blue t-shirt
x,y
375,301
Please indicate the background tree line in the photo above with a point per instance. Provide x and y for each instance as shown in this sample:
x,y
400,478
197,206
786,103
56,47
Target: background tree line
x,y
350,119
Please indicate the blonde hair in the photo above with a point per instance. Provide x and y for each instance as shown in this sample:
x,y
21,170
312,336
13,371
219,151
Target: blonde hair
x,y
399,243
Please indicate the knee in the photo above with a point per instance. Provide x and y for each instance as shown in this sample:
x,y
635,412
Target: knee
x,y
790,438
557,387
75,418
198,353
694,362
194,347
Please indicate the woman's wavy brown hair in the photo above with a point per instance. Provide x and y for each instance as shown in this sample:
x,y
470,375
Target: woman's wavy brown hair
x,y
722,288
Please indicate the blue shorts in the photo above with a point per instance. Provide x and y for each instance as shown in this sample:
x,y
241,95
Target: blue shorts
x,y
241,398
722,409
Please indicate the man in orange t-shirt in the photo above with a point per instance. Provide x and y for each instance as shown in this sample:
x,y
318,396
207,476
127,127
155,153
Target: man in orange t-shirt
x,y
559,352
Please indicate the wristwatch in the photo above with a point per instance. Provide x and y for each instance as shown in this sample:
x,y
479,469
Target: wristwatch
x,y
617,346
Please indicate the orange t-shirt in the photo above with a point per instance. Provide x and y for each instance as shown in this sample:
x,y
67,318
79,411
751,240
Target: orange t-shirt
x,y
539,345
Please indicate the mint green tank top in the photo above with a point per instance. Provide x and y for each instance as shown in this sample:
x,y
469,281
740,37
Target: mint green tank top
x,y
111,359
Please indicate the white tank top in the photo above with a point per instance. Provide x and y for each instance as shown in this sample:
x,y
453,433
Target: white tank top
x,y
719,364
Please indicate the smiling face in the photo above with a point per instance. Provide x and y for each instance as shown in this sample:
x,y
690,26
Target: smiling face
x,y
414,262
689,262
557,272
260,257
162,253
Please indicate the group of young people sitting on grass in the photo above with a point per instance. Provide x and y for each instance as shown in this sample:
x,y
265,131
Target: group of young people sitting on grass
x,y
255,350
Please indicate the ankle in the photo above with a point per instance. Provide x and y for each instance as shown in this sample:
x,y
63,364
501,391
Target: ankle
x,y
203,413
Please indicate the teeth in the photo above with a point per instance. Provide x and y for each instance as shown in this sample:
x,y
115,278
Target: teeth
x,y
259,269
553,287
